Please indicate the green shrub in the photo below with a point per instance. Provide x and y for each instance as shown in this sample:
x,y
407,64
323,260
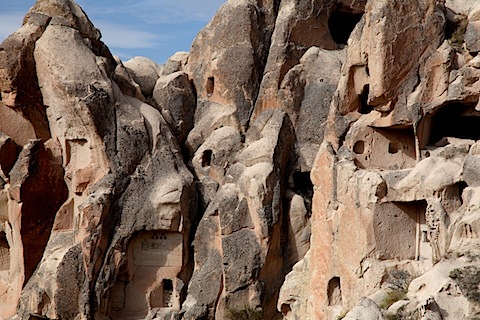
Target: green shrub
x,y
455,31
398,282
468,279
392,297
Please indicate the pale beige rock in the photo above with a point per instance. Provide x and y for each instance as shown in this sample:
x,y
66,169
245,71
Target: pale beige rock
x,y
175,63
174,97
144,72
212,158
101,218
235,215
82,146
425,207
290,301
459,6
16,126
126,83
293,17
207,120
227,57
472,36
298,229
365,309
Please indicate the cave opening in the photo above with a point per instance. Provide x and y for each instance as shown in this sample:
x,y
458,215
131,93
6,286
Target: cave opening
x,y
456,120
359,147
4,252
394,147
385,149
207,158
210,85
400,222
341,24
167,293
334,292
364,107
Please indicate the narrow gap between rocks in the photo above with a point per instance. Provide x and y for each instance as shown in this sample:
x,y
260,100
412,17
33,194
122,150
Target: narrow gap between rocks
x,y
303,185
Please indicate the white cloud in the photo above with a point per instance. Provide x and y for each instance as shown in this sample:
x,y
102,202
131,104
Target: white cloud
x,y
126,37
124,56
9,23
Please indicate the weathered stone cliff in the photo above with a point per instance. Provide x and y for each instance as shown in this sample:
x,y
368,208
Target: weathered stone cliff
x,y
306,160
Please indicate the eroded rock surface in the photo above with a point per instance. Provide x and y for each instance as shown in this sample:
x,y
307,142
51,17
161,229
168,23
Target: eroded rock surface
x,y
306,160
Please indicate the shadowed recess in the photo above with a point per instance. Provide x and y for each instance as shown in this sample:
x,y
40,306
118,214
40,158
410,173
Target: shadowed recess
x,y
341,24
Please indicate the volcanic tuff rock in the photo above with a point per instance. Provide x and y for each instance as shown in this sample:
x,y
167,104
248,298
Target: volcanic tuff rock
x,y
132,190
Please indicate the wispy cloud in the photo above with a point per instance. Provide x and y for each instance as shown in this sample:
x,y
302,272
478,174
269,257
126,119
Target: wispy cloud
x,y
156,12
9,23
124,56
179,11
127,37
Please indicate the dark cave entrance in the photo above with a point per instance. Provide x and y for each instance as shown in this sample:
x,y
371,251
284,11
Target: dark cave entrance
x,y
341,24
167,293
207,158
210,85
365,108
334,292
454,120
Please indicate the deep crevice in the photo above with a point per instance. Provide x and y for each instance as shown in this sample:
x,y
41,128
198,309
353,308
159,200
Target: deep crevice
x,y
455,29
43,192
302,184
262,51
462,185
4,252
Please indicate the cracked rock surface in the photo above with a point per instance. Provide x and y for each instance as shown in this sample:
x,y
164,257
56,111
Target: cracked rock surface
x,y
305,160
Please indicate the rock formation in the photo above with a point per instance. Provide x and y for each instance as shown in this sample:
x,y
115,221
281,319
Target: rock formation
x,y
305,160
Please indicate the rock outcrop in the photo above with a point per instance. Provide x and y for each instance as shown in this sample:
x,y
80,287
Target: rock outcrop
x,y
306,160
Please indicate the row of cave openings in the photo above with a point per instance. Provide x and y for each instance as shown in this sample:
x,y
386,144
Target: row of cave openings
x,y
396,148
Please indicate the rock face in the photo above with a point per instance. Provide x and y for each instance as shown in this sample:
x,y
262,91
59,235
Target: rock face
x,y
306,160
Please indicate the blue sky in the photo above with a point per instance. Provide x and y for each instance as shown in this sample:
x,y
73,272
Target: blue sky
x,y
152,28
